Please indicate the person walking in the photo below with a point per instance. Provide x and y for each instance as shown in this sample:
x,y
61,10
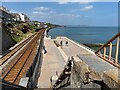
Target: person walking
x,y
45,51
66,43
61,43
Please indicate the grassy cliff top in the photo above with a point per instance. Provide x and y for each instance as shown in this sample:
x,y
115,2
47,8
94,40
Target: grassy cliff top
x,y
19,31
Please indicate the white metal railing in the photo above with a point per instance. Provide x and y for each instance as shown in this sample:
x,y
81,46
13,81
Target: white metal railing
x,y
108,57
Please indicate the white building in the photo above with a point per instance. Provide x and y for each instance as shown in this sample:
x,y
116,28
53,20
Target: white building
x,y
23,17
6,15
45,26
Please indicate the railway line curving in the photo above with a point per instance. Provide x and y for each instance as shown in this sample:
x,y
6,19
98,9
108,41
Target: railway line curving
x,y
22,61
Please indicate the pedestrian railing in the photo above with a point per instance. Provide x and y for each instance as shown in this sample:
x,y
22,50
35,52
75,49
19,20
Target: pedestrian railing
x,y
110,51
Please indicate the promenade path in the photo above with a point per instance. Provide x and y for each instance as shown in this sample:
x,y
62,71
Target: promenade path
x,y
52,61
85,54
56,57
108,73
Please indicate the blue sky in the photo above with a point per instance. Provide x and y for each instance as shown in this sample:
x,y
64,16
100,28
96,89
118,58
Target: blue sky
x,y
74,13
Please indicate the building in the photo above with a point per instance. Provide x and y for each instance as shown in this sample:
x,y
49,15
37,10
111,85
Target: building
x,y
45,26
42,25
23,17
5,15
4,9
16,17
20,17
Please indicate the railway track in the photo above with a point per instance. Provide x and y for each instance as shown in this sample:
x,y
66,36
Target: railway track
x,y
22,61
11,53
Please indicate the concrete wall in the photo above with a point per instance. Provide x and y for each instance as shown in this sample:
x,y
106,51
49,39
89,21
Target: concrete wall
x,y
34,71
83,76
0,39
5,41
78,79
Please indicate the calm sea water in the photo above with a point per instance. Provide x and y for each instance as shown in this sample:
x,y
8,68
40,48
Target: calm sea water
x,y
86,35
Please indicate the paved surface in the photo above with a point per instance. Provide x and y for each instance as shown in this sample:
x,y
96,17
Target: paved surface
x,y
52,61
56,57
97,64
73,49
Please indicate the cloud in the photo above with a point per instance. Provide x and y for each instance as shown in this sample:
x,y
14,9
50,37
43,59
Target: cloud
x,y
75,1
53,15
82,1
60,1
87,8
42,11
41,8
38,12
48,12
67,15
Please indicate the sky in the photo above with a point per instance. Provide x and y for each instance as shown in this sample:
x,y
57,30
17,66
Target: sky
x,y
68,13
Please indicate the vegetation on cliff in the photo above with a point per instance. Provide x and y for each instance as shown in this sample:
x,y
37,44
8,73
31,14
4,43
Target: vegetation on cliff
x,y
52,25
19,31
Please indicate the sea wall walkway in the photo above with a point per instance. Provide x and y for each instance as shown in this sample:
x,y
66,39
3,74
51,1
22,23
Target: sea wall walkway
x,y
52,61
85,62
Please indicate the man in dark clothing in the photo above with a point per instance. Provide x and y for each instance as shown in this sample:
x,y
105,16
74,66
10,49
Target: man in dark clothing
x,y
61,43
45,51
66,43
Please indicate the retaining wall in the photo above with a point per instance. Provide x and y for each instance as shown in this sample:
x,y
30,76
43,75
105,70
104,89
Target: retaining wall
x,y
5,41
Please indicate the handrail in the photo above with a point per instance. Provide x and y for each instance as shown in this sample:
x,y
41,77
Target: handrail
x,y
108,42
109,57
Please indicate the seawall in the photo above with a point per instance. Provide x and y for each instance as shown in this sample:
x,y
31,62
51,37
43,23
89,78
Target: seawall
x,y
88,70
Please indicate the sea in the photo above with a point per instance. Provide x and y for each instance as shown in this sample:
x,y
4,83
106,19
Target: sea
x,y
86,35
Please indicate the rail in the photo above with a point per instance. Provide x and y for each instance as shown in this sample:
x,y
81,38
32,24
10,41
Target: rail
x,y
11,53
22,61
33,72
105,51
10,86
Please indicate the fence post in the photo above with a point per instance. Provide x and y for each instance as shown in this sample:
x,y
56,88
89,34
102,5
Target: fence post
x,y
104,52
117,48
110,51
